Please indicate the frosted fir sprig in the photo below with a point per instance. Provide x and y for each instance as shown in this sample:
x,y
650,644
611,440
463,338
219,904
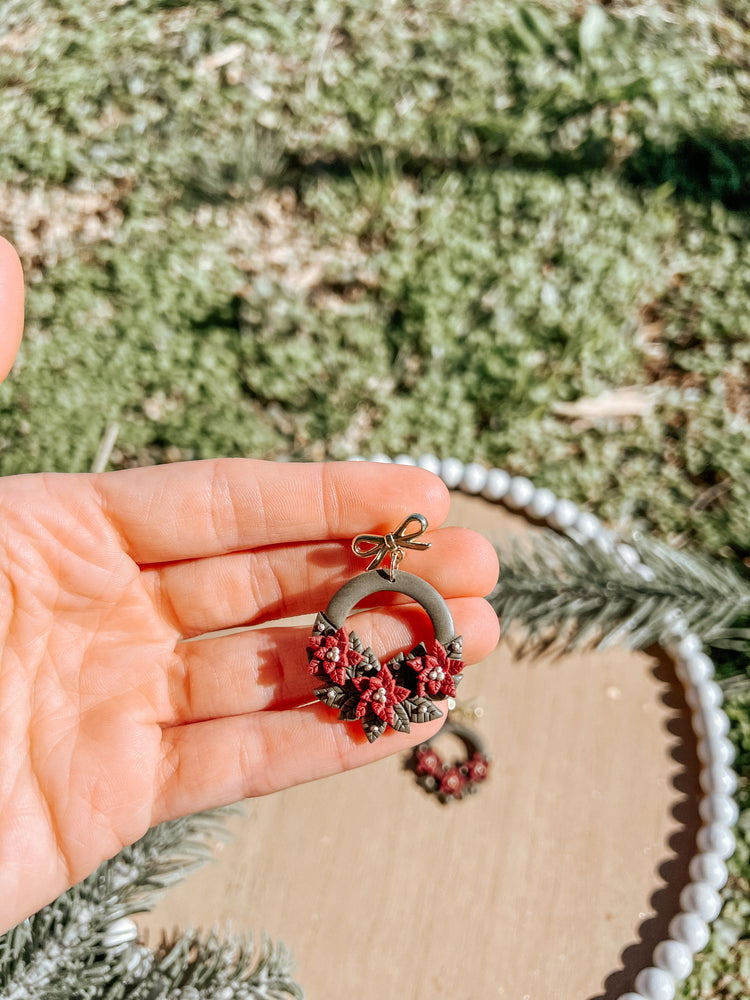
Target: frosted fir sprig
x,y
565,593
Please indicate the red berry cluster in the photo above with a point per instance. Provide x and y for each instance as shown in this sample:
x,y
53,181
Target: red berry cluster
x,y
448,781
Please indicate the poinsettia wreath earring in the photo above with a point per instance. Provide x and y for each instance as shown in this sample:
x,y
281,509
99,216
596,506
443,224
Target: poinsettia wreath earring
x,y
452,781
403,690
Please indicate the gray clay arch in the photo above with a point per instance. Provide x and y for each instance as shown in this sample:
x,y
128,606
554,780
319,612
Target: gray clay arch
x,y
366,584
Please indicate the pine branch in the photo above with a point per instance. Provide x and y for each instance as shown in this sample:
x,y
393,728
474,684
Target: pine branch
x,y
564,593
65,941
72,949
196,967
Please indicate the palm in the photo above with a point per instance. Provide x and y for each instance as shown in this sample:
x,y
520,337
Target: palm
x,y
85,659
109,721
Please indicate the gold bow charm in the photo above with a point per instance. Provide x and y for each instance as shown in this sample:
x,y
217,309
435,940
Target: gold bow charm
x,y
377,548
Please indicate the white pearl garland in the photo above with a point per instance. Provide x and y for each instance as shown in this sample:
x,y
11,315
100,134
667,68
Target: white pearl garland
x,y
708,868
691,930
497,485
675,958
654,984
699,899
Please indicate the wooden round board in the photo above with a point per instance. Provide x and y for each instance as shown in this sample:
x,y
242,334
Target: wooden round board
x,y
553,881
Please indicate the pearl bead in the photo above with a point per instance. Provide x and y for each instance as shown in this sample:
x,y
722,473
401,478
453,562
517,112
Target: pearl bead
x,y
716,838
675,629
497,485
675,958
587,526
119,934
710,694
564,515
451,472
631,996
474,478
356,458
542,503
710,722
709,868
688,646
716,779
690,930
520,492
706,693
700,898
717,750
718,808
694,668
429,462
655,984
381,458
404,460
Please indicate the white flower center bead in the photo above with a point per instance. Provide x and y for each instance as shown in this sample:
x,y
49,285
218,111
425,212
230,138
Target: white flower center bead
x,y
333,655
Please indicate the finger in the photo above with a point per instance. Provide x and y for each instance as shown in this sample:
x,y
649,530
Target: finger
x,y
11,306
266,668
214,763
196,509
204,595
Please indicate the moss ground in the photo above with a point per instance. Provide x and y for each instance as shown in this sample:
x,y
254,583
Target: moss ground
x,y
513,232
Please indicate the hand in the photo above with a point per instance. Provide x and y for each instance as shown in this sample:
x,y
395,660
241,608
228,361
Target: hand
x,y
110,722
11,306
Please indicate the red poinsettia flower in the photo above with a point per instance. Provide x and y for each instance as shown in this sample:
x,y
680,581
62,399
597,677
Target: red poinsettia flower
x,y
477,768
435,672
380,693
332,654
452,782
429,763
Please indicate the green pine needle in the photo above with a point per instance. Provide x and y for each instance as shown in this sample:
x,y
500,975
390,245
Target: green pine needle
x,y
567,594
62,952
207,967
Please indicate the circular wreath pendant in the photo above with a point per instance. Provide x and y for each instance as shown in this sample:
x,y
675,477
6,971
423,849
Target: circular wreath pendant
x,y
453,780
396,693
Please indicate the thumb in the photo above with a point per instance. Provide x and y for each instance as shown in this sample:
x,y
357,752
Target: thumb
x,y
11,306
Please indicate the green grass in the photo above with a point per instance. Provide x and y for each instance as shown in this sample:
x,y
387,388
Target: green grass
x,y
311,230
497,210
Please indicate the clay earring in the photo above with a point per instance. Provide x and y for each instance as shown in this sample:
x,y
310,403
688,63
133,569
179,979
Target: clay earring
x,y
457,779
405,689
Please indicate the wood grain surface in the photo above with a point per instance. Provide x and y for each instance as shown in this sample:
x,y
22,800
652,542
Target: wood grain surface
x,y
553,881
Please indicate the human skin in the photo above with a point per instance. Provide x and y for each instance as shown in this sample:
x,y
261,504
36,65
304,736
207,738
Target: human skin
x,y
110,721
